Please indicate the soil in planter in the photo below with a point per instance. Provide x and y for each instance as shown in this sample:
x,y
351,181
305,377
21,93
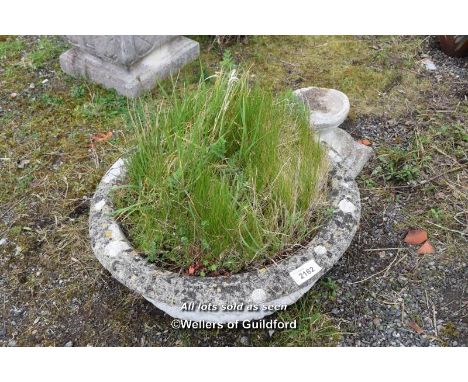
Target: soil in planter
x,y
314,99
223,177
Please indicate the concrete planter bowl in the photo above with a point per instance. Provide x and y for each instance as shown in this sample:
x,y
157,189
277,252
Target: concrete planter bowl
x,y
244,296
328,107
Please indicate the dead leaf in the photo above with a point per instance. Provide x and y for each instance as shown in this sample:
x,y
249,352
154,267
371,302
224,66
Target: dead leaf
x,y
99,137
413,325
415,236
426,248
191,270
365,142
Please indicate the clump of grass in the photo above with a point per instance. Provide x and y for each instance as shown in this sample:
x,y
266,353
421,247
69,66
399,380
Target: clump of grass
x,y
47,49
222,176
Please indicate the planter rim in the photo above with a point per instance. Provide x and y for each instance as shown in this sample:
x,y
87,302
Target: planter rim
x,y
262,290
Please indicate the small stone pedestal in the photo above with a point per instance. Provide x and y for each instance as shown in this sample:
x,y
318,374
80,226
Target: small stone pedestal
x,y
128,64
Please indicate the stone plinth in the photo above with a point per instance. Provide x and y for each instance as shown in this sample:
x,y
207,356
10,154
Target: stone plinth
x,y
128,64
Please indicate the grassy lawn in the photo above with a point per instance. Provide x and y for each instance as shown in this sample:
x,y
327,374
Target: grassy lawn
x,y
49,168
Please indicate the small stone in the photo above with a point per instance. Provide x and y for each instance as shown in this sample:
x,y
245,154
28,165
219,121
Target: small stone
x,y
440,195
428,64
320,250
13,95
69,344
335,311
244,340
3,241
12,343
45,81
23,163
32,86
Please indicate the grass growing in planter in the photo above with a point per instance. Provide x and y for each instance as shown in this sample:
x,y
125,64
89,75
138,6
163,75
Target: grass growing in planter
x,y
223,176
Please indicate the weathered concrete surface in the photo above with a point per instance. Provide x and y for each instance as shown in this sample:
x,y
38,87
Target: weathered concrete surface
x,y
121,50
351,154
128,64
328,107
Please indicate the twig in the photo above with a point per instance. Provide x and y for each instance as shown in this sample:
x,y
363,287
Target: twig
x,y
440,175
434,320
447,229
427,299
445,154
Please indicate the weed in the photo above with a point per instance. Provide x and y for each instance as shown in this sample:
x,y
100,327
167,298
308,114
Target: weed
x,y
51,100
397,164
78,90
105,105
330,286
436,214
313,327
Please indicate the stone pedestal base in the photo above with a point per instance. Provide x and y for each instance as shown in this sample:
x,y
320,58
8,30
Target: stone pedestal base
x,y
133,80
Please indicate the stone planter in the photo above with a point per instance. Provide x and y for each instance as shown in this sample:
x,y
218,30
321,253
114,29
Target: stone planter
x,y
128,64
245,296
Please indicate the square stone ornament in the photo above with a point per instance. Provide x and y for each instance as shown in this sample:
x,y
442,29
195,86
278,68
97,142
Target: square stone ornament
x,y
129,64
